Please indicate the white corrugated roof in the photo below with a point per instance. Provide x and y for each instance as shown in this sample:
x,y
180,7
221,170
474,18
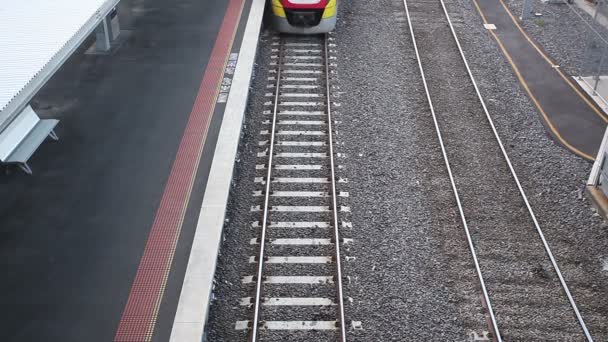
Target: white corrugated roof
x,y
34,32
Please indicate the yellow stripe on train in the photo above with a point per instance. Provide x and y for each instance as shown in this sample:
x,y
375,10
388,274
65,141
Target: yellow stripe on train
x,y
277,9
330,9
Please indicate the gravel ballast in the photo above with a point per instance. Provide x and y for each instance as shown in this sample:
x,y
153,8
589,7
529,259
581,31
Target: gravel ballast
x,y
563,31
413,278
408,272
553,178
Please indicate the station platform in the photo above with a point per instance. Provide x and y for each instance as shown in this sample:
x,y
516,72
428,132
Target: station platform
x,y
573,118
94,246
116,236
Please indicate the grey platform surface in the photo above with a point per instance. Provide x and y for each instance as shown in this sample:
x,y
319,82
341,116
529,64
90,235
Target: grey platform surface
x,y
576,118
71,237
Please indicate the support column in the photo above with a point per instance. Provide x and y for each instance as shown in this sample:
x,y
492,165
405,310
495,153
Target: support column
x,y
107,31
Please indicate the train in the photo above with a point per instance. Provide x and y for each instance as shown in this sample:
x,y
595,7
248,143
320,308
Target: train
x,y
304,16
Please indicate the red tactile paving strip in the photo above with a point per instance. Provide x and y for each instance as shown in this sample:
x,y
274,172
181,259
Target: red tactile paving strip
x,y
140,312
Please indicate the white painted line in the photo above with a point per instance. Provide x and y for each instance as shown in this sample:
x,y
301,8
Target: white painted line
x,y
303,122
298,167
300,225
298,180
301,104
300,133
300,143
299,208
193,305
297,301
299,79
297,57
294,325
292,280
295,112
300,155
301,242
300,86
303,50
300,325
241,325
303,64
245,301
298,64
295,86
298,194
297,72
301,72
303,44
294,260
259,193
298,242
304,95
301,112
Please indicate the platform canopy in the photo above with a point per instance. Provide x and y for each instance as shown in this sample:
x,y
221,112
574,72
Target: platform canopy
x,y
36,37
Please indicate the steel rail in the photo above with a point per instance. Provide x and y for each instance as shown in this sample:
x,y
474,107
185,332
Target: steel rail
x,y
486,297
340,296
259,280
516,179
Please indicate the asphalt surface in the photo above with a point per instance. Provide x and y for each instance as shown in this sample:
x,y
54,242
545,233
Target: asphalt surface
x,y
71,235
573,118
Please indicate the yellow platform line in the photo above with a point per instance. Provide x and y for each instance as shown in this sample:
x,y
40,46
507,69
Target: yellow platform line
x,y
527,87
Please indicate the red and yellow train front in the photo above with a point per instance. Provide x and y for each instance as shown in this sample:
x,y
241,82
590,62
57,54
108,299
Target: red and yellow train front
x,y
304,16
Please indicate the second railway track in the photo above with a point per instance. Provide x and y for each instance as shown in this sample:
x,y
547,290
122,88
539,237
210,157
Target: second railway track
x,y
525,292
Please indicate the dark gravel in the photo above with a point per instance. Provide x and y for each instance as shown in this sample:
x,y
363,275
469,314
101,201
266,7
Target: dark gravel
x,y
564,35
412,279
552,177
409,274
510,254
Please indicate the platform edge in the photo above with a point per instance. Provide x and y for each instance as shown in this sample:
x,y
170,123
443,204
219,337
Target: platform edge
x,y
194,300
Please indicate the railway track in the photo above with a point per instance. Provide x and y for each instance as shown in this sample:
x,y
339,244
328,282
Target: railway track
x,y
298,279
524,292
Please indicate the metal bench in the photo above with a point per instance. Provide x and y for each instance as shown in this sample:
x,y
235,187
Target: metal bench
x,y
35,42
23,136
